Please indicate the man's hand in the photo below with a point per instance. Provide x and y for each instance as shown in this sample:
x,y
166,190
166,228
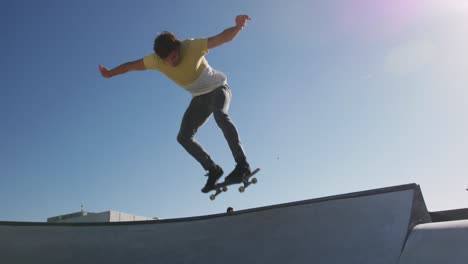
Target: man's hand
x,y
137,65
228,34
104,71
241,20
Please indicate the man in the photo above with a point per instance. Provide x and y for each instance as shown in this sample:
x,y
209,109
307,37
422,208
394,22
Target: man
x,y
185,63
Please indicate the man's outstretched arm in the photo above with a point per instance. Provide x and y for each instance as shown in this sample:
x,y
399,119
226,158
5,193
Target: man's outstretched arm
x,y
228,34
136,65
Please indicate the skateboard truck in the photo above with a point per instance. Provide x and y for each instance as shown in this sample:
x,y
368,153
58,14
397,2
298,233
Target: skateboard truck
x,y
218,191
246,184
222,187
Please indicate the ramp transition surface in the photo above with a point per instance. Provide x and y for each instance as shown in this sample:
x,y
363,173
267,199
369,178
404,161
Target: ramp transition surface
x,y
364,227
433,243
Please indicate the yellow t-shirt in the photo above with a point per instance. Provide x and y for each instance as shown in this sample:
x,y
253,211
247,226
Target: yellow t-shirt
x,y
193,73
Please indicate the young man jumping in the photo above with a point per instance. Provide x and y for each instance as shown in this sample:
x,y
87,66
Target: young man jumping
x,y
184,62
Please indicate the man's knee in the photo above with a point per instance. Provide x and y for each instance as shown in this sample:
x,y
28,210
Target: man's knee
x,y
182,139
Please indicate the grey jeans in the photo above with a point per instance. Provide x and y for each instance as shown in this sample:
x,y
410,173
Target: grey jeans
x,y
200,109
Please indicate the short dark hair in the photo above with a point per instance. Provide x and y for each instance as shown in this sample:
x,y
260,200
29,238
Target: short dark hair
x,y
165,43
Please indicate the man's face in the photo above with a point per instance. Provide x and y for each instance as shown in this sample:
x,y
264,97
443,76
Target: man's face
x,y
174,58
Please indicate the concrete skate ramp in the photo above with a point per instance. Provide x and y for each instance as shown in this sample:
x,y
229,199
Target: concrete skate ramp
x,y
365,227
445,242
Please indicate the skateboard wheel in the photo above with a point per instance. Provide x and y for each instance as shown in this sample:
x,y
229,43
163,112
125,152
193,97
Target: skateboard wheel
x,y
254,180
241,189
212,197
224,189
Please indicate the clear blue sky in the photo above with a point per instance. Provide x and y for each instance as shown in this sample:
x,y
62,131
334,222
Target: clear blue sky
x,y
329,97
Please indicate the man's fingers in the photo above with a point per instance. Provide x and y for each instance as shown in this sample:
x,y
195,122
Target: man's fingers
x,y
243,18
104,71
246,17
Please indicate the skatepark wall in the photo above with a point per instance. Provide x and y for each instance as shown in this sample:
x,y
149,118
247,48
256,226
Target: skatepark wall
x,y
376,226
449,215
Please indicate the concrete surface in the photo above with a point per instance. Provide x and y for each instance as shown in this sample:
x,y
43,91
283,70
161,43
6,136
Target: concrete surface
x,y
365,227
445,242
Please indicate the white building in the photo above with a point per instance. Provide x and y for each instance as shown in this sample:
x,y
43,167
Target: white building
x,y
104,217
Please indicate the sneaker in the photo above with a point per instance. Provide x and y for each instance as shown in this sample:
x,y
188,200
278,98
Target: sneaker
x,y
213,176
239,173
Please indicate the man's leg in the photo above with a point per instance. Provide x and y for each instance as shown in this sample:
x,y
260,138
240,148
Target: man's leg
x,y
222,100
195,116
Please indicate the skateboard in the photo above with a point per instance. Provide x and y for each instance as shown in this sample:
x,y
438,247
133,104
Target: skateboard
x,y
223,186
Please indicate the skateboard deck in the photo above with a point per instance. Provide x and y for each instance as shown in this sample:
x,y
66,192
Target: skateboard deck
x,y
223,186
